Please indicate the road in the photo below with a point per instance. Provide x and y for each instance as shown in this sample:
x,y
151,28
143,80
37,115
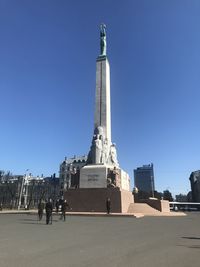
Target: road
x,y
100,241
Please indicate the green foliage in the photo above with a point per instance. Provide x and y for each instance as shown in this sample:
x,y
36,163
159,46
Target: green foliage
x,y
167,195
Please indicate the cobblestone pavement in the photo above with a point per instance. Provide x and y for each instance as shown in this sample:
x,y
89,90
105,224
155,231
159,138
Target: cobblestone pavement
x,y
99,241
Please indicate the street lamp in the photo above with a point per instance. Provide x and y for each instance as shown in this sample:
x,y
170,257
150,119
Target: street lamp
x,y
24,178
152,186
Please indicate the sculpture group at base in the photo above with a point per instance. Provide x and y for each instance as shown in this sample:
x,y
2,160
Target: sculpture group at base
x,y
101,150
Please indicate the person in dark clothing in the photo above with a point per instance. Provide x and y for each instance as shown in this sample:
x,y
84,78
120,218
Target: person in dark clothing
x,y
40,210
108,205
49,209
57,205
64,207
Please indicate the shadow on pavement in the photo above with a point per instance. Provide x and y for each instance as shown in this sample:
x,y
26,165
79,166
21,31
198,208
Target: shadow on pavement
x,y
35,221
28,220
191,237
194,246
190,246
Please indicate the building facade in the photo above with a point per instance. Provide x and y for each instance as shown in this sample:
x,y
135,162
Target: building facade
x,y
69,174
144,179
25,191
195,185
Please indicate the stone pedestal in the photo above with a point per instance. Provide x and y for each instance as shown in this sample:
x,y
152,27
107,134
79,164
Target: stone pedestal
x,y
94,199
93,176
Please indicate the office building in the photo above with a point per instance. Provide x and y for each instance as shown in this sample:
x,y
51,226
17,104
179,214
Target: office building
x,y
195,185
144,179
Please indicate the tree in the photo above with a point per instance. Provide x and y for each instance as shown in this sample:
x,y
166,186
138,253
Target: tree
x,y
167,195
158,195
181,198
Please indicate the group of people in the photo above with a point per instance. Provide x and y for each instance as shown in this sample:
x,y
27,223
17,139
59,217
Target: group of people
x,y
62,204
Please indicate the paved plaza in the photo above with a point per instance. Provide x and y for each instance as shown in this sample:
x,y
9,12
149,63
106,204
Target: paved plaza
x,y
100,241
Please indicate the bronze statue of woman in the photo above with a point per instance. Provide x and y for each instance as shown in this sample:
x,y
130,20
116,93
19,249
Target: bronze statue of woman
x,y
103,39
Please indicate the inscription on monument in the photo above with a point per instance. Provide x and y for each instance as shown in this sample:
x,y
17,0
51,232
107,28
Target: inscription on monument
x,y
93,177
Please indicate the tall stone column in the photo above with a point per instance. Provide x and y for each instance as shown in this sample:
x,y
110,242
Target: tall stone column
x,y
101,177
102,158
102,151
102,100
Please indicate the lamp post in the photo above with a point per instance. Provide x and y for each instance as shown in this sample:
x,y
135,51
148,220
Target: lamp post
x,y
135,194
152,186
26,184
22,187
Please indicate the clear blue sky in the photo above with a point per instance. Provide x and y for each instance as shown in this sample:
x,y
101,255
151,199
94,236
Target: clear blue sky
x,y
47,84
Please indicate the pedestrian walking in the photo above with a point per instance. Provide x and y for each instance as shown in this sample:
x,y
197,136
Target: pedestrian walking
x,y
64,207
49,209
40,210
108,205
57,205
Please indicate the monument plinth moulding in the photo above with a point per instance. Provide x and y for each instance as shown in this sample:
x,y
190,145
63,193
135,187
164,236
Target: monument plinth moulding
x,y
101,177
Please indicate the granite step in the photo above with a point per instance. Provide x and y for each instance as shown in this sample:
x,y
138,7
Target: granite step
x,y
142,208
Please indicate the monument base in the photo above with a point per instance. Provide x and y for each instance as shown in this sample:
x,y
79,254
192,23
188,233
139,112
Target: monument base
x,y
103,176
94,176
94,199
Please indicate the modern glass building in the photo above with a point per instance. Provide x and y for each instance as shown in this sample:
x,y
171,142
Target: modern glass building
x,y
144,178
195,185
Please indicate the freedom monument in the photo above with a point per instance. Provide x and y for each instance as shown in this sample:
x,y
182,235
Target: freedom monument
x,y
101,177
